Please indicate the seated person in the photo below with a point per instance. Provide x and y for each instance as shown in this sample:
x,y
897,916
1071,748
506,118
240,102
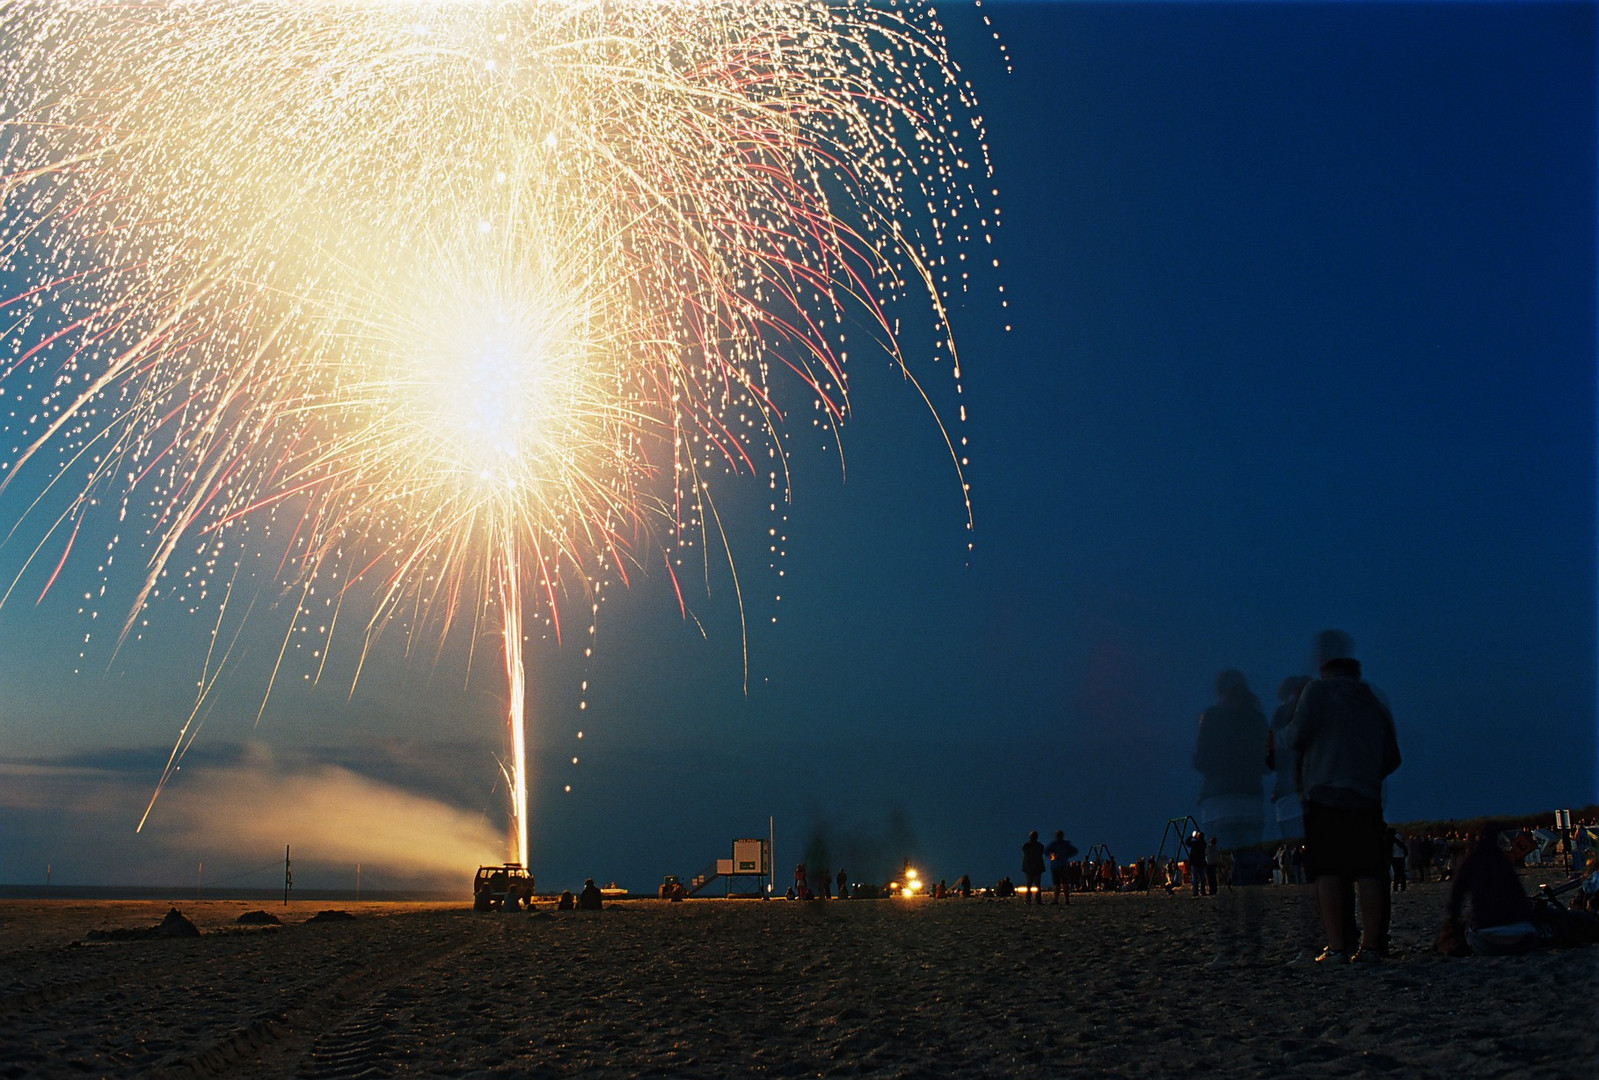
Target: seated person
x,y
567,901
589,898
1486,882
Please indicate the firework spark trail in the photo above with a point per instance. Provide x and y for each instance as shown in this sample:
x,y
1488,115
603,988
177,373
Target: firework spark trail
x,y
464,302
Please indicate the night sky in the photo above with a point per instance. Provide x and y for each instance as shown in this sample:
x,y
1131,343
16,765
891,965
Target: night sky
x,y
1301,309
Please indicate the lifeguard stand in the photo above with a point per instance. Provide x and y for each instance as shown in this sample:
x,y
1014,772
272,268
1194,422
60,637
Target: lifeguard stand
x,y
752,858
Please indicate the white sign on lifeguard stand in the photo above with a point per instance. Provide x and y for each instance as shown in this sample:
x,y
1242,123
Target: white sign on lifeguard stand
x,y
751,857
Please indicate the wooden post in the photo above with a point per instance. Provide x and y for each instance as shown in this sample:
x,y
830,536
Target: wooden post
x,y
288,875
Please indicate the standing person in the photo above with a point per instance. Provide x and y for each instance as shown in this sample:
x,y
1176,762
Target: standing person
x,y
1227,756
1196,862
1282,760
1419,853
843,885
1398,850
1344,735
1060,852
1033,867
1213,865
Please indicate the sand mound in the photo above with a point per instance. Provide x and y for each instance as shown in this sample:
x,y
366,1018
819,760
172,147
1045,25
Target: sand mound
x,y
175,925
331,916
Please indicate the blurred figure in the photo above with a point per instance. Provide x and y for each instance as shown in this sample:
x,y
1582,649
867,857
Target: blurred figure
x,y
1227,756
1344,735
1284,762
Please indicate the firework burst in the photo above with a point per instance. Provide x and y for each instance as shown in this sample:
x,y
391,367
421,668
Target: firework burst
x,y
464,302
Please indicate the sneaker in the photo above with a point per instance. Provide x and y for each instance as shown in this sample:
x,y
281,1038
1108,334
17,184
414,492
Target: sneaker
x,y
1331,957
1365,956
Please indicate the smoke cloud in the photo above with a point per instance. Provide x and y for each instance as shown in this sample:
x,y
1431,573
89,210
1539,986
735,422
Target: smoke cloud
x,y
328,814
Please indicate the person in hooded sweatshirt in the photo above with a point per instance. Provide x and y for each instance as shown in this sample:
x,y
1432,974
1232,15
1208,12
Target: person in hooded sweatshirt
x,y
1344,735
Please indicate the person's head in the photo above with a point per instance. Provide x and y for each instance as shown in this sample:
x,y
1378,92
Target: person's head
x,y
588,883
1033,835
1487,836
1231,685
1060,834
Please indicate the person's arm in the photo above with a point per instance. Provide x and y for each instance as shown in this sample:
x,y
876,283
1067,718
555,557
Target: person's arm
x,y
1390,750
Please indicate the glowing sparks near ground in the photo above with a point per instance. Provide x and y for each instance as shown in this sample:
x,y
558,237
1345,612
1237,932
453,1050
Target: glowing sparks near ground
x,y
455,306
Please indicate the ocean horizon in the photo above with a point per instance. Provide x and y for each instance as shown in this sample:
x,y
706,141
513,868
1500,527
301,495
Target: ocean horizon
x,y
190,892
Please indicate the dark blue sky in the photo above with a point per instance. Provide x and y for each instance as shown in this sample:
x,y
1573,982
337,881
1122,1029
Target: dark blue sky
x,y
1302,304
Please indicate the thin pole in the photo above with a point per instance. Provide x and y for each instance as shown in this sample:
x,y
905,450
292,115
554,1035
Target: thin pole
x,y
288,875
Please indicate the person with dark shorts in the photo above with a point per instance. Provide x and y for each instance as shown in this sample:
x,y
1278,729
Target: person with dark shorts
x,y
1060,852
1345,737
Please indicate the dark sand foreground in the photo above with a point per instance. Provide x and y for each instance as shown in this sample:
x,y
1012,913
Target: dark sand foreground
x,y
1109,986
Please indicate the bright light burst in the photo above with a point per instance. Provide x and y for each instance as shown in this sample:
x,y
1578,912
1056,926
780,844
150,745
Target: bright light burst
x,y
463,302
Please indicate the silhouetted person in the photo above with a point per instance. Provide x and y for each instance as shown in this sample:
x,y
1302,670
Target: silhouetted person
x,y
1033,867
1345,738
589,899
843,885
1284,761
1397,852
1227,755
1060,852
1196,862
1501,914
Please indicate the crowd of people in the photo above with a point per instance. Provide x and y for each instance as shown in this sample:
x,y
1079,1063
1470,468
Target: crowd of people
x,y
1329,747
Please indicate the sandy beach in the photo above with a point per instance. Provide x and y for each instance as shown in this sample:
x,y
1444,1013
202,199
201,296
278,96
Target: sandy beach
x,y
1111,985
